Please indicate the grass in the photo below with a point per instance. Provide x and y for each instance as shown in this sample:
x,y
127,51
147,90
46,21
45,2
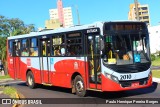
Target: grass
x,y
156,62
156,73
7,90
4,77
10,91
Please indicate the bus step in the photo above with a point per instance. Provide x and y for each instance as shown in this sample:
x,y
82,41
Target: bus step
x,y
47,84
94,89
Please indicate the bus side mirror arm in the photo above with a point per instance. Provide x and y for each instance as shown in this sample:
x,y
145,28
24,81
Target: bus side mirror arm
x,y
101,44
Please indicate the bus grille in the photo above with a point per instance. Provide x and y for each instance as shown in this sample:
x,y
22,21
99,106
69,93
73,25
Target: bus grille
x,y
129,83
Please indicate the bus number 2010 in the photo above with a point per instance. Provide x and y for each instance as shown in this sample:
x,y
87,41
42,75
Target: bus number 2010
x,y
125,77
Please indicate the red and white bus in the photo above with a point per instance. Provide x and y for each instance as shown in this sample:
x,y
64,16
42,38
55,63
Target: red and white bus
x,y
103,56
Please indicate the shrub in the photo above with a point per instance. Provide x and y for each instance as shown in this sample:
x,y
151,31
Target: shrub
x,y
153,57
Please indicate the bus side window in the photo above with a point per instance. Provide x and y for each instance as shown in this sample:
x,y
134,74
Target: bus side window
x,y
33,51
74,44
57,51
58,46
25,51
44,48
34,47
74,50
17,49
10,48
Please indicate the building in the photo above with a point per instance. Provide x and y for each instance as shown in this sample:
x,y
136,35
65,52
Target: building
x,y
67,16
52,24
154,34
143,13
60,11
64,15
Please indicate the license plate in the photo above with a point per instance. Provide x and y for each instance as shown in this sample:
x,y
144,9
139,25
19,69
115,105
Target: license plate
x,y
135,84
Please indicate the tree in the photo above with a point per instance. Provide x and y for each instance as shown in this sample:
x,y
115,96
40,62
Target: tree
x,y
11,27
14,26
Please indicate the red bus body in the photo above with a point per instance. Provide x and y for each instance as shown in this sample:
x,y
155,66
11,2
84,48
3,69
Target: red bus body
x,y
59,71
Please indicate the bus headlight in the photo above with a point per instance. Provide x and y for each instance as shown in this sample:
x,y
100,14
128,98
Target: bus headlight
x,y
150,74
108,75
111,77
114,78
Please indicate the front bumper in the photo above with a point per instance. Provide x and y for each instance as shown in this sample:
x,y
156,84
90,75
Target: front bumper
x,y
110,85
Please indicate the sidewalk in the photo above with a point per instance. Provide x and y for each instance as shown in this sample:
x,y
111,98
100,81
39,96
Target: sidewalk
x,y
156,80
4,80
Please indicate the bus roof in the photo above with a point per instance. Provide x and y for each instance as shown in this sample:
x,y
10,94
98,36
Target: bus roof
x,y
61,30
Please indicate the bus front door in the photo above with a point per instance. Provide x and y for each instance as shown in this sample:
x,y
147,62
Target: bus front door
x,y
44,63
16,59
93,59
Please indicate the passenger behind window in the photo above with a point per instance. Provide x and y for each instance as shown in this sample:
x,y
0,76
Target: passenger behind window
x,y
25,53
31,51
72,50
57,51
36,52
79,50
121,52
17,51
62,50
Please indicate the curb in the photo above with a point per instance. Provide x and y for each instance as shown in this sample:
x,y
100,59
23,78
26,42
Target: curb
x,y
156,80
5,80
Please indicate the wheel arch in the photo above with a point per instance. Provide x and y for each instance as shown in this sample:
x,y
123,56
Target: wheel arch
x,y
32,84
74,75
28,70
72,80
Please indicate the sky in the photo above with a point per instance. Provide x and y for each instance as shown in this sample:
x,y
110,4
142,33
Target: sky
x,y
37,11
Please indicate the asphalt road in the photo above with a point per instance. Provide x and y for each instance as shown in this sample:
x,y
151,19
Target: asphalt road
x,y
56,92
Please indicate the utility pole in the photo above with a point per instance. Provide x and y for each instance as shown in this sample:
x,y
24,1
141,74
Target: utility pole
x,y
137,10
77,14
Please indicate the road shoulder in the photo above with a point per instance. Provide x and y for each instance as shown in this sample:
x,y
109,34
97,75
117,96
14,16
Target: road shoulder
x,y
156,80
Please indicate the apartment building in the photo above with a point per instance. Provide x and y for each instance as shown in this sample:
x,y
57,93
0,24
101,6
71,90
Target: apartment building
x,y
61,16
67,16
143,13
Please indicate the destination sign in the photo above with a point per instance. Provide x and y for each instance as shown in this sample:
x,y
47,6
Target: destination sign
x,y
74,35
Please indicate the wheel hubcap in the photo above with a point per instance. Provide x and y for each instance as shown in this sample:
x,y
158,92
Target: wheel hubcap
x,y
30,80
79,86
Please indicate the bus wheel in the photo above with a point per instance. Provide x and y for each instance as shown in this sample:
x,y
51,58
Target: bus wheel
x,y
30,80
79,86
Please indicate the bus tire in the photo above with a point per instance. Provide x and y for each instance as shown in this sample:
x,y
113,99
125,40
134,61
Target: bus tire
x,y
79,86
30,80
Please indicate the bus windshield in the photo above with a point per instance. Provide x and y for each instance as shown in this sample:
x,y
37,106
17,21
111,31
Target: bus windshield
x,y
126,45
